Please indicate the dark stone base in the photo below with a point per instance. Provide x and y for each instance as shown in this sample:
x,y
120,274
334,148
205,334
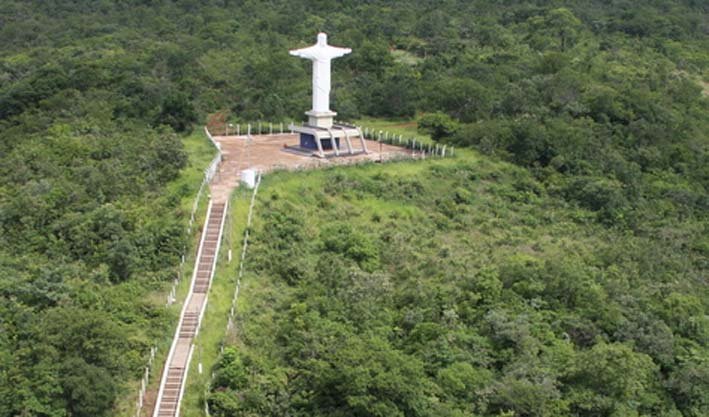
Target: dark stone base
x,y
308,142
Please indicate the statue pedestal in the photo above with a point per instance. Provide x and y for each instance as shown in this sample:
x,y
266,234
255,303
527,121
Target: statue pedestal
x,y
336,139
321,119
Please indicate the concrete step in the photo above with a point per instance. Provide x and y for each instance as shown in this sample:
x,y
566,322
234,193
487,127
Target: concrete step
x,y
189,325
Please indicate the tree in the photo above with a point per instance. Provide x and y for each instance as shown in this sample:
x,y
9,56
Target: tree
x,y
89,391
177,111
558,23
612,378
438,125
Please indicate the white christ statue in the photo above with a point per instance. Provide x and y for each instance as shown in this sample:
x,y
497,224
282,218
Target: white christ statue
x,y
321,54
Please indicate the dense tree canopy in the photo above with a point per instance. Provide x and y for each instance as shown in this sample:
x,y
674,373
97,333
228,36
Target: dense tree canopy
x,y
602,105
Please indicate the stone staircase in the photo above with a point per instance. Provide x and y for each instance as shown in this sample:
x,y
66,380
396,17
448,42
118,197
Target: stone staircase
x,y
171,392
173,380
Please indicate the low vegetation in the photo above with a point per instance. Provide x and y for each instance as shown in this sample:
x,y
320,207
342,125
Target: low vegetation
x,y
456,288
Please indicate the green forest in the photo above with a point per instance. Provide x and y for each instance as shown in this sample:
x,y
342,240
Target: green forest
x,y
557,266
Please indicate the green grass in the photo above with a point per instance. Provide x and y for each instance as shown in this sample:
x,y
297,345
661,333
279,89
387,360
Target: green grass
x,y
212,331
480,235
200,153
405,127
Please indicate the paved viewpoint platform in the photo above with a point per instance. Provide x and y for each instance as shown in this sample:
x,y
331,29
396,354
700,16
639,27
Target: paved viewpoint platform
x,y
266,153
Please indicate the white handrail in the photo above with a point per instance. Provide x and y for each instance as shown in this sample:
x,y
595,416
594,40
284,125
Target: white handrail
x,y
209,135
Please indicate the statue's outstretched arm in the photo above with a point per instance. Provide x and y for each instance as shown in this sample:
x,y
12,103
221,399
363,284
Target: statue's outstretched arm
x,y
308,53
336,52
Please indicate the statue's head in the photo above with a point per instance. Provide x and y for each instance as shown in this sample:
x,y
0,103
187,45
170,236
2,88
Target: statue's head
x,y
322,38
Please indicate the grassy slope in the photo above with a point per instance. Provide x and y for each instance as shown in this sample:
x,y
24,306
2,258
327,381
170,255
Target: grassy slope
x,y
503,219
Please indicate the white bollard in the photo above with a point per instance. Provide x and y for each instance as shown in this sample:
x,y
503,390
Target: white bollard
x,y
248,126
270,128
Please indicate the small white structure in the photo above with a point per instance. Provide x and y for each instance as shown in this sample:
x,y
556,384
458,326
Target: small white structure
x,y
321,133
248,178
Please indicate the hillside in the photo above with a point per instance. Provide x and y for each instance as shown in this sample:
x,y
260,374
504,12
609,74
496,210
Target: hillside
x,y
457,287
556,266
